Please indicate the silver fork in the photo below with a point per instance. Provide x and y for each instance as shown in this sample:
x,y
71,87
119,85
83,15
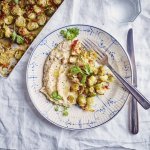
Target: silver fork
x,y
103,58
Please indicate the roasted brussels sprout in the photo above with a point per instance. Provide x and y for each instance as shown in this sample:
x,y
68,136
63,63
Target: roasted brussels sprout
x,y
2,32
91,91
92,80
32,26
23,31
16,10
71,99
95,70
57,2
5,8
74,87
50,11
21,21
4,71
42,3
89,101
72,59
101,70
110,78
81,100
101,87
32,2
103,78
19,54
88,108
32,16
8,32
41,19
1,21
12,62
8,20
37,9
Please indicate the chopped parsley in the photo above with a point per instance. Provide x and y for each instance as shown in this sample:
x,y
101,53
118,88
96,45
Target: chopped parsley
x,y
15,37
75,70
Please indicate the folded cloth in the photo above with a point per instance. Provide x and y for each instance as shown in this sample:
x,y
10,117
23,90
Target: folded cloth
x,y
23,128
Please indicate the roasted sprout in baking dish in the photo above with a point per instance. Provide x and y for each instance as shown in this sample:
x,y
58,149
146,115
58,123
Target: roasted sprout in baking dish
x,y
20,23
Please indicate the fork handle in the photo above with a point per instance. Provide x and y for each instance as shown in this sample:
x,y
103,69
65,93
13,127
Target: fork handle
x,y
133,117
135,93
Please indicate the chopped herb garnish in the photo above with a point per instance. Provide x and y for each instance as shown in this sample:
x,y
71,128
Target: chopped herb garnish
x,y
56,108
70,33
75,70
65,113
56,96
83,80
87,69
14,35
19,39
16,1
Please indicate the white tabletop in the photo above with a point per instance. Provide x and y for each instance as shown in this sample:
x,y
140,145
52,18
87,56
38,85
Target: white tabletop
x,y
23,128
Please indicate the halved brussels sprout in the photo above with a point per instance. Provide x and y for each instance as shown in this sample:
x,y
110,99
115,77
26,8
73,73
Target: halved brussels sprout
x,y
89,101
92,80
5,8
23,31
101,88
57,2
74,87
50,11
110,78
4,71
2,32
19,54
16,10
88,108
12,62
8,20
21,21
31,2
42,3
37,9
81,100
91,91
32,26
8,32
71,99
41,19
32,16
104,78
101,70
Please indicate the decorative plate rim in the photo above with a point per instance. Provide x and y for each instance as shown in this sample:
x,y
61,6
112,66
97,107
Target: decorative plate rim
x,y
58,125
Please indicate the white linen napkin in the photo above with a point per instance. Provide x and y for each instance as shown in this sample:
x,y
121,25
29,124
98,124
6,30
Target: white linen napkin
x,y
23,128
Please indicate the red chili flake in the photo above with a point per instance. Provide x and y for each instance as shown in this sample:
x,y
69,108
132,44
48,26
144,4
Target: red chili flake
x,y
74,44
106,87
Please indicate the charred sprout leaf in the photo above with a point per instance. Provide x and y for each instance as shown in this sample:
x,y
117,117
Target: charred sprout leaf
x,y
16,1
75,70
87,69
56,108
14,35
70,33
65,113
56,96
83,80
19,39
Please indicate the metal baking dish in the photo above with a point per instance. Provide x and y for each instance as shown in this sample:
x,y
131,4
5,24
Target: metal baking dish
x,y
33,44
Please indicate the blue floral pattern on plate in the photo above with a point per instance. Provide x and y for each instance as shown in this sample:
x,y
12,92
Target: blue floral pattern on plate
x,y
106,106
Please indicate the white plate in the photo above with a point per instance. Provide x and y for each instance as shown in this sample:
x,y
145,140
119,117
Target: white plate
x,y
106,107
